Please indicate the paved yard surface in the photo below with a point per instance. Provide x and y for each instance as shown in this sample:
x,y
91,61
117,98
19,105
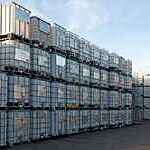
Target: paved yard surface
x,y
136,137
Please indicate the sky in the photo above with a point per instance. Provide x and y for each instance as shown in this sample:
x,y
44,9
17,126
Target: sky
x,y
121,26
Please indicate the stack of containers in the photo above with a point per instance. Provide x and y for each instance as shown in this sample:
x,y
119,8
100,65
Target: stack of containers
x,y
57,83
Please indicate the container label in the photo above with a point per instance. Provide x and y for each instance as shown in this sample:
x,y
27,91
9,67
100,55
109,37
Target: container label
x,y
60,61
43,61
22,15
22,55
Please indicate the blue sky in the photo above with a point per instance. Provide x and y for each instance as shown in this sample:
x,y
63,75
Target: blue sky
x,y
121,26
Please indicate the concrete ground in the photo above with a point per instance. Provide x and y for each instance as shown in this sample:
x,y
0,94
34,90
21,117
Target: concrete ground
x,y
136,137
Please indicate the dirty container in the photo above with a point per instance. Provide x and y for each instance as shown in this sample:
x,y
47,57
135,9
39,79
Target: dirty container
x,y
85,119
58,94
14,54
58,122
104,78
3,128
113,118
84,74
58,36
72,43
104,58
40,61
95,53
95,118
104,99
40,124
73,95
58,66
18,90
95,76
128,82
85,50
40,31
113,79
114,60
3,89
104,118
72,121
18,130
113,99
127,99
72,72
95,96
85,95
14,19
40,93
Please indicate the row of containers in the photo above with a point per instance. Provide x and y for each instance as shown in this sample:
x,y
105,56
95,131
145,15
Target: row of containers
x,y
19,126
40,62
20,23
17,89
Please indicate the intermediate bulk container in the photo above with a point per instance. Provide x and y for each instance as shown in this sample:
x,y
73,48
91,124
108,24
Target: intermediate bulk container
x,y
122,65
58,94
104,78
18,90
72,43
129,67
128,82
104,118
72,121
3,128
58,36
40,61
128,117
95,118
95,53
40,93
18,126
114,60
147,102
121,81
14,19
113,99
146,91
40,124
73,94
147,114
85,95
85,50
95,76
3,89
127,99
95,96
104,58
58,66
114,79
85,119
72,73
40,31
104,99
121,117
84,74
113,118
14,54
58,122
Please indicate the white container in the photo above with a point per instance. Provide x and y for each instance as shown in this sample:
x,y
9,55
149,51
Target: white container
x,y
128,82
14,19
3,128
104,99
114,60
113,118
127,99
104,78
95,118
95,53
104,118
113,79
58,36
114,99
128,117
18,126
72,121
104,58
147,114
95,96
40,31
40,124
58,122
